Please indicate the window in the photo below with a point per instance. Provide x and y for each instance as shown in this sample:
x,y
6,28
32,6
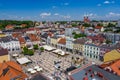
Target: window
x,y
96,57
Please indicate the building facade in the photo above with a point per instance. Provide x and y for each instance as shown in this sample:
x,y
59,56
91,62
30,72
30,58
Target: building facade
x,y
4,56
11,44
91,51
78,46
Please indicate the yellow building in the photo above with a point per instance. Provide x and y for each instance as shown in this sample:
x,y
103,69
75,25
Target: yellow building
x,y
4,56
78,46
54,41
2,35
111,56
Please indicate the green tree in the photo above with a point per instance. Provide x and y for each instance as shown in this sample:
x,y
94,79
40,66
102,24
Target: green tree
x,y
41,49
74,25
30,52
79,35
111,25
108,42
35,47
26,51
86,25
99,24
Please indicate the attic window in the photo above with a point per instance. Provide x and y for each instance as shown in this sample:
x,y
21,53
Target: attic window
x,y
5,71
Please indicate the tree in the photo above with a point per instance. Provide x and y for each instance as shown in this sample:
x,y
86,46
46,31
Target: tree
x,y
86,25
41,49
26,51
99,24
108,42
111,25
79,35
73,33
35,47
74,25
30,52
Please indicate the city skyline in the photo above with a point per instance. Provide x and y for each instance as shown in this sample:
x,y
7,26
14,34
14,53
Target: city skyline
x,y
59,10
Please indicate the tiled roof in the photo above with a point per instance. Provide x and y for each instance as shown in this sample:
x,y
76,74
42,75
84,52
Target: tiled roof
x,y
11,70
16,34
21,40
33,37
116,67
111,56
93,73
9,27
7,39
79,41
62,41
98,27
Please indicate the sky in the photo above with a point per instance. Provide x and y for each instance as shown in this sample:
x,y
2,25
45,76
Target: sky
x,y
54,10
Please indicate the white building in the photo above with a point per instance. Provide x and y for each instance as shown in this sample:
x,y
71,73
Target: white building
x,y
11,44
91,51
69,44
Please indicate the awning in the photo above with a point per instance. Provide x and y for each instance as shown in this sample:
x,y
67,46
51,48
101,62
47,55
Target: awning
x,y
58,51
30,69
49,48
23,60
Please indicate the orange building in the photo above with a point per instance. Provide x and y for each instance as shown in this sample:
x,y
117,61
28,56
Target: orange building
x,y
11,71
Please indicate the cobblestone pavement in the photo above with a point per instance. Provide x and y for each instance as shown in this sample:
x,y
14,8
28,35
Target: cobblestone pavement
x,y
46,61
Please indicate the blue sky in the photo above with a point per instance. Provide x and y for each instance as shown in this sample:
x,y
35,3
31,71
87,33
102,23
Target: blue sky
x,y
59,9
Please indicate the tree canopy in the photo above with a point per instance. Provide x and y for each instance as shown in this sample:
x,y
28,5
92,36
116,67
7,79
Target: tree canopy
x,y
41,49
35,47
78,35
4,23
26,51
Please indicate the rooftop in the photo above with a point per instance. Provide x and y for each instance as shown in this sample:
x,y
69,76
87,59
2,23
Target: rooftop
x,y
93,72
11,71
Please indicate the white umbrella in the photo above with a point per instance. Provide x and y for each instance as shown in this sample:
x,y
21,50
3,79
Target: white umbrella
x,y
15,55
33,71
30,69
39,69
36,67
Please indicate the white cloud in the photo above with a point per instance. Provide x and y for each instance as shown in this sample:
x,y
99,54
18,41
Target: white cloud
x,y
66,16
109,2
112,14
45,14
56,14
99,5
66,4
106,2
91,15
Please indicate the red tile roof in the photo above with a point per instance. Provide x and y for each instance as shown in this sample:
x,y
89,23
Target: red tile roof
x,y
96,38
23,25
21,40
116,67
8,27
98,27
15,35
62,41
33,37
10,69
